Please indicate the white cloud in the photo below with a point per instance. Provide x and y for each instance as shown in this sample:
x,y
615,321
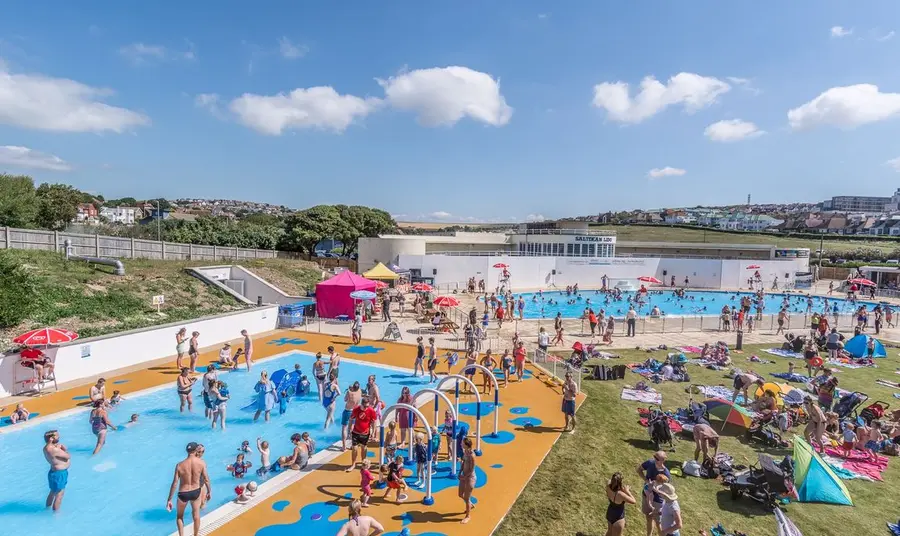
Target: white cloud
x,y
444,95
543,15
894,163
210,103
441,215
886,37
23,157
290,50
847,106
59,104
316,107
139,53
840,31
688,89
744,83
732,130
535,217
667,171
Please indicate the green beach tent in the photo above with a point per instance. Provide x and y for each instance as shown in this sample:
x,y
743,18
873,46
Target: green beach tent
x,y
814,480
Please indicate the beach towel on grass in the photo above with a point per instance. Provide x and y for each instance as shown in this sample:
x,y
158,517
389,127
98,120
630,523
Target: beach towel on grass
x,y
783,353
690,349
859,462
714,391
647,397
837,465
796,378
847,364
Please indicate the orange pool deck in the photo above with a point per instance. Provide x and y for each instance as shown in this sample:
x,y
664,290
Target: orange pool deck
x,y
507,466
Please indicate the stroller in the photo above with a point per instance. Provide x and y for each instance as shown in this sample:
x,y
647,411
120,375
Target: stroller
x,y
874,411
762,431
658,426
763,483
392,333
847,405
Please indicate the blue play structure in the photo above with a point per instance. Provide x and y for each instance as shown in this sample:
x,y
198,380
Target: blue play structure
x,y
285,382
857,347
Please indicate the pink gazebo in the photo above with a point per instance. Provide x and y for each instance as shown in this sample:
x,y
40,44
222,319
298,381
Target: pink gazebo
x,y
333,295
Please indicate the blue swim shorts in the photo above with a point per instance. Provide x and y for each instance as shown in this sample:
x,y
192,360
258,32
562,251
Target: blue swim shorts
x,y
568,407
345,417
58,480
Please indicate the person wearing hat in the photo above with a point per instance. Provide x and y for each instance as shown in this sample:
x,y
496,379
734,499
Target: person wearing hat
x,y
225,354
653,472
670,513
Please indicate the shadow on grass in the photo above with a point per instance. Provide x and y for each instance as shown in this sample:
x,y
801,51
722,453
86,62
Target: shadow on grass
x,y
743,505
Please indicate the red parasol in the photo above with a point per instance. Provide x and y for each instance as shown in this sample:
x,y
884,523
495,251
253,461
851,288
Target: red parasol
x,y
380,285
863,282
754,267
45,336
649,279
501,265
446,301
422,287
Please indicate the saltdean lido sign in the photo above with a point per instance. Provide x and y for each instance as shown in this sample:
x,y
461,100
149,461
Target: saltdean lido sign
x,y
590,238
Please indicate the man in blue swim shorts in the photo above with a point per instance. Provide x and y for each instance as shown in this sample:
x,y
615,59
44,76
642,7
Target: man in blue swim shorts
x,y
352,398
59,459
570,391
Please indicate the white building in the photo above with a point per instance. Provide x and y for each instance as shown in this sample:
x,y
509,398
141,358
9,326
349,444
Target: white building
x,y
122,215
565,253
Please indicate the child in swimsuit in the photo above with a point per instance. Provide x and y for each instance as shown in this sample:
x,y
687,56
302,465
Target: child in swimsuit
x,y
391,440
239,468
395,478
448,430
365,483
245,447
116,399
432,365
452,358
282,403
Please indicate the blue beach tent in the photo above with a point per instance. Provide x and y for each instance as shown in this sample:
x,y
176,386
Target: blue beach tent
x,y
857,347
814,479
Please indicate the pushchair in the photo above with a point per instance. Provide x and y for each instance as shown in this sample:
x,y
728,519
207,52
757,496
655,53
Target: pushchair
x,y
658,427
874,411
762,431
392,333
764,483
848,404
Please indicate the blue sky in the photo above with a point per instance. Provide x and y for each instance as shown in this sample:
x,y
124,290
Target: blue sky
x,y
300,103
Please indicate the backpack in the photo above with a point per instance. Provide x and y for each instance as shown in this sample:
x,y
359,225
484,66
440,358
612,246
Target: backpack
x,y
708,469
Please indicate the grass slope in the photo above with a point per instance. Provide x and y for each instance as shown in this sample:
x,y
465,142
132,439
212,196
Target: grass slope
x,y
647,233
567,495
92,301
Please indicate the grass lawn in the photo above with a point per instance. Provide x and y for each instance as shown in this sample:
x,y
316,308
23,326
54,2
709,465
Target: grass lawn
x,y
567,495
91,300
646,233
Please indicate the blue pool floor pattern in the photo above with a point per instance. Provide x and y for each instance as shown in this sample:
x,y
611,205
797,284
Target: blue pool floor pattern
x,y
695,302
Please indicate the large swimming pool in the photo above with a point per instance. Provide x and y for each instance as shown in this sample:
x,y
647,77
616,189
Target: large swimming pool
x,y
547,304
123,489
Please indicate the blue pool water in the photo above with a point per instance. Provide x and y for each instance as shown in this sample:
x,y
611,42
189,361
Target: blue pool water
x,y
694,303
123,489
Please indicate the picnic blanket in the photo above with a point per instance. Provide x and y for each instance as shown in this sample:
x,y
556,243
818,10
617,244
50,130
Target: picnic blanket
x,y
796,378
713,391
690,349
783,353
644,420
860,463
647,397
604,355
848,364
837,465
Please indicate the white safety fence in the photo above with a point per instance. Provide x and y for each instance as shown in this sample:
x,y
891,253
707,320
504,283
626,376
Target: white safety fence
x,y
556,366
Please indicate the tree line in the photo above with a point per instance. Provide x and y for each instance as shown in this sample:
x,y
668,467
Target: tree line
x,y
55,206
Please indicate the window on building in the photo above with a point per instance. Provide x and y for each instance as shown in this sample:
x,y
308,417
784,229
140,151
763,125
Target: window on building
x,y
570,250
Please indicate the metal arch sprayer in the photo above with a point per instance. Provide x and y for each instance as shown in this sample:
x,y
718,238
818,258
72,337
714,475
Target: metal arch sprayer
x,y
438,395
428,500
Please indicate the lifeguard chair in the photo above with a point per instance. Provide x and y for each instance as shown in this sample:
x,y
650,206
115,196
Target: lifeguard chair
x,y
27,381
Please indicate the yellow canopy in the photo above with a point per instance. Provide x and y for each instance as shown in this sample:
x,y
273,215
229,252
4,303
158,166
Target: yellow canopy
x,y
380,271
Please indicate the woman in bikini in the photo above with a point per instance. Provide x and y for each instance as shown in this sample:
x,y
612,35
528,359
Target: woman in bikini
x,y
330,393
99,424
467,477
194,350
218,397
319,374
184,385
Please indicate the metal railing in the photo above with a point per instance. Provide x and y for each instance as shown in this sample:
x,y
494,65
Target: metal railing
x,y
556,367
125,248
576,232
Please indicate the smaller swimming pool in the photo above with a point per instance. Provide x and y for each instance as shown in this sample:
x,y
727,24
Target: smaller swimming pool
x,y
694,303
